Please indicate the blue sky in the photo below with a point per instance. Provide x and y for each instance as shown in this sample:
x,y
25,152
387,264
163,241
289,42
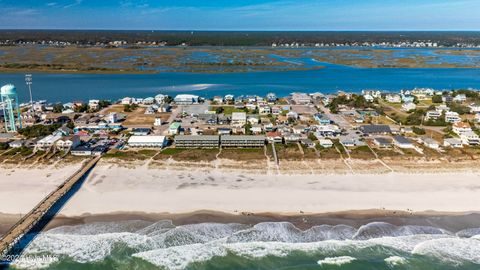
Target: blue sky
x,y
242,14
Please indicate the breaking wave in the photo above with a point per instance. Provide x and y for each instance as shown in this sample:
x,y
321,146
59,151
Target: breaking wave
x,y
393,261
336,260
175,247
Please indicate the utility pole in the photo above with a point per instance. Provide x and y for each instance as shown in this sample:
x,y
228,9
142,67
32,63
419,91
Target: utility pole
x,y
28,81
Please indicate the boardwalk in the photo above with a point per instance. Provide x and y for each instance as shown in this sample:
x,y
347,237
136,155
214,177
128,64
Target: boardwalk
x,y
28,221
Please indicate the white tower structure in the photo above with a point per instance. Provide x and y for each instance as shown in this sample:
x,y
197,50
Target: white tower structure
x,y
28,81
11,112
158,121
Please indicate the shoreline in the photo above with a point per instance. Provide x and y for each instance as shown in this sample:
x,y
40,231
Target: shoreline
x,y
450,221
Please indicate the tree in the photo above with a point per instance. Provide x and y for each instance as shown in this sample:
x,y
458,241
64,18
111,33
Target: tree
x,y
248,128
57,108
168,100
415,100
418,131
360,102
81,108
219,110
437,99
38,130
415,118
104,103
129,107
458,108
3,146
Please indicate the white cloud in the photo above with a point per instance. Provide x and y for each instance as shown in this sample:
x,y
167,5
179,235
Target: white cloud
x,y
75,3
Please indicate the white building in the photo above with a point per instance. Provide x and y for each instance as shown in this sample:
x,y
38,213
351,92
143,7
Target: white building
x,y
218,99
470,138
460,98
68,142
292,115
229,98
461,127
112,117
393,98
160,99
402,142
94,104
442,108
256,129
408,106
452,117
301,98
239,119
452,142
253,119
251,106
148,101
158,121
127,101
264,110
368,98
372,93
474,108
186,99
433,115
147,141
47,142
430,143
325,143
327,130
423,93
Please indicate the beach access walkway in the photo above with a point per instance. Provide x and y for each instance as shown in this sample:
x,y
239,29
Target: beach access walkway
x,y
27,222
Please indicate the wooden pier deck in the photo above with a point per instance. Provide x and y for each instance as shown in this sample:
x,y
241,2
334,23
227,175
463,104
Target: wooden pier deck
x,y
27,222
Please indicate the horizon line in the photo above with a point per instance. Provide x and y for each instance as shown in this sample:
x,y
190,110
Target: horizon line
x,y
230,30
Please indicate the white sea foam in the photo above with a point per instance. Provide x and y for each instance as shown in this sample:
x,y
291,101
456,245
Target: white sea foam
x,y
174,247
37,262
455,250
336,260
196,233
177,258
84,248
393,261
281,249
471,232
157,228
404,243
382,229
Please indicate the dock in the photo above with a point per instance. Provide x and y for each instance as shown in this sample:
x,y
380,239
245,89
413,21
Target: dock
x,y
27,222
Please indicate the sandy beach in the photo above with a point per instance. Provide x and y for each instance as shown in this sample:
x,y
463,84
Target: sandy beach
x,y
143,188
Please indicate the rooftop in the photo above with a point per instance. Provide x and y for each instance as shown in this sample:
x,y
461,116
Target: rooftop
x,y
401,140
197,138
383,141
372,129
242,138
146,139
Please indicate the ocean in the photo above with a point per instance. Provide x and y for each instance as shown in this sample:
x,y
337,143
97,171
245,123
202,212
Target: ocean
x,y
332,78
137,244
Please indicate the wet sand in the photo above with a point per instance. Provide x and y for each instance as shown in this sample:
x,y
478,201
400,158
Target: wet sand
x,y
448,221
